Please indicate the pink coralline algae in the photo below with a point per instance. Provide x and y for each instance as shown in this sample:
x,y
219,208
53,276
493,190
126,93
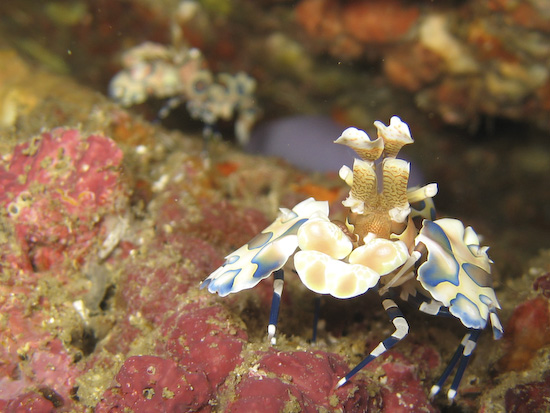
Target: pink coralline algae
x,y
265,394
199,349
30,358
222,224
204,339
165,280
28,402
55,190
529,397
527,331
154,384
542,283
402,390
305,382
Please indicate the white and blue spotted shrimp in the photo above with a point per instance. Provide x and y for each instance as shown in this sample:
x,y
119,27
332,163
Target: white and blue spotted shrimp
x,y
180,75
440,267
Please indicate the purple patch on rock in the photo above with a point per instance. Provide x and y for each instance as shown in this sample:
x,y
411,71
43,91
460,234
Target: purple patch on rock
x,y
303,141
307,142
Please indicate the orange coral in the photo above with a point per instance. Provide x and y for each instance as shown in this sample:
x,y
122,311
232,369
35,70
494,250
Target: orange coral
x,y
320,18
527,14
527,331
412,66
320,193
487,44
347,27
227,168
380,21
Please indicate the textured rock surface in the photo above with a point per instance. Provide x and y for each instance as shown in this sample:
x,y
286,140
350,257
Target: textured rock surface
x,y
56,190
109,223
462,62
153,384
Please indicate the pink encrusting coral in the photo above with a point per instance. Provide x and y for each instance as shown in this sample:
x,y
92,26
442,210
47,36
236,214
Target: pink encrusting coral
x,y
56,188
31,359
298,381
56,191
198,349
305,381
154,384
28,402
402,390
202,337
529,397
156,284
527,332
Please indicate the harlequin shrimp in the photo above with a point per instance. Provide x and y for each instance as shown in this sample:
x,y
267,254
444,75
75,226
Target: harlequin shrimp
x,y
180,75
438,265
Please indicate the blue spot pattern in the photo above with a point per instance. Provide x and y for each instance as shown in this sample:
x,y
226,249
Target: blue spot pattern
x,y
222,284
265,253
477,274
440,267
467,311
268,262
436,233
231,259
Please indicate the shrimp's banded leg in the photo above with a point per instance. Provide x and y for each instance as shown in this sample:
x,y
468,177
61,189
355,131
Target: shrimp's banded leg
x,y
278,282
425,304
401,330
462,354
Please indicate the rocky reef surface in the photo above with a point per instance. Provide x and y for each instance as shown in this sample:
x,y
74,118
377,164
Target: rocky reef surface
x,y
109,223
